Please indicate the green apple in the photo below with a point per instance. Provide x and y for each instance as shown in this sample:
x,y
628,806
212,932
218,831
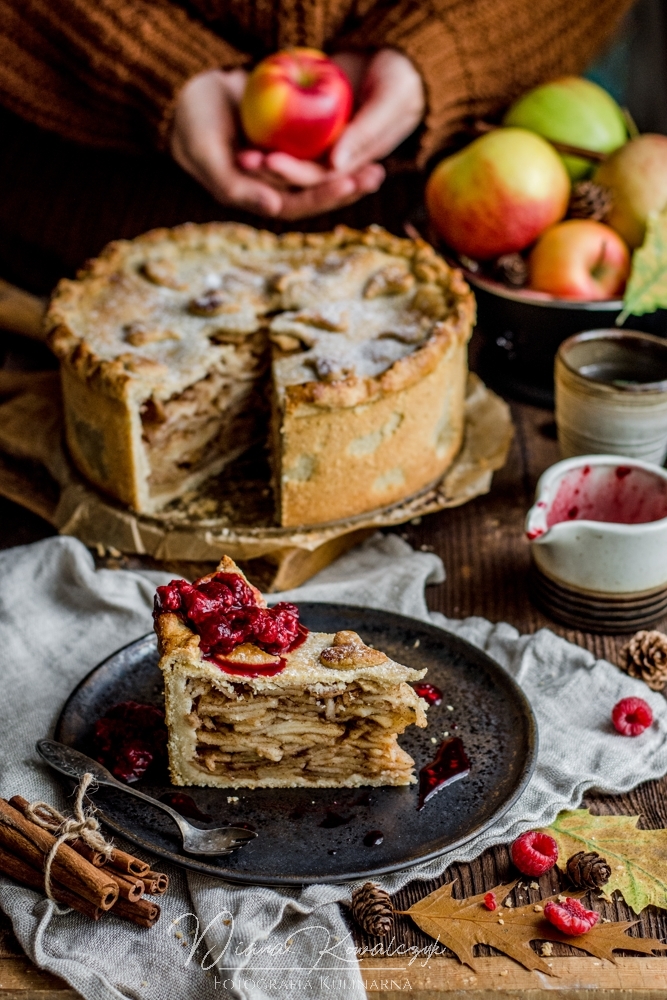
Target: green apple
x,y
637,176
574,111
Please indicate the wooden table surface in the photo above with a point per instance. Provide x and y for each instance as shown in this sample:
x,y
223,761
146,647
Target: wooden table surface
x,y
50,214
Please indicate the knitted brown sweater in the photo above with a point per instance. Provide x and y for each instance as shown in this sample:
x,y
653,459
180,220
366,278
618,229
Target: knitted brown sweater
x,y
107,72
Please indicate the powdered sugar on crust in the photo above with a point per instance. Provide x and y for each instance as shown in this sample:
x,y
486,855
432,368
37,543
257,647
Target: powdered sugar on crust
x,y
164,310
373,335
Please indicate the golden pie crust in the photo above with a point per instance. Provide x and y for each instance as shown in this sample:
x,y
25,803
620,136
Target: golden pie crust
x,y
347,349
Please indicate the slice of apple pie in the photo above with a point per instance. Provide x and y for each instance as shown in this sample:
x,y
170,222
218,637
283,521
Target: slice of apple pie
x,y
255,700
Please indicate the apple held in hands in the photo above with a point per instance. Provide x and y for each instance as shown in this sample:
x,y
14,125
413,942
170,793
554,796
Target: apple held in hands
x,y
498,194
580,259
296,101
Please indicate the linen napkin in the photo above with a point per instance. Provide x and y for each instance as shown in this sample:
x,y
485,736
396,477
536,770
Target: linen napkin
x,y
59,617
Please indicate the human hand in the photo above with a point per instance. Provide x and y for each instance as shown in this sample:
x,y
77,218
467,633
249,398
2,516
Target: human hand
x,y
204,142
391,101
390,96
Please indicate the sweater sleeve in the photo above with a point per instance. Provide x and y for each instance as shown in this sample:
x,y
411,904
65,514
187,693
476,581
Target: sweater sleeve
x,y
476,56
103,72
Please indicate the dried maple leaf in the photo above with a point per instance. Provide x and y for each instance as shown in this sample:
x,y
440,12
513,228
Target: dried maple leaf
x,y
638,858
646,290
460,924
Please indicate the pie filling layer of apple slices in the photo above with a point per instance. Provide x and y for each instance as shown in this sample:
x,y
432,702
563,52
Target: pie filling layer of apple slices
x,y
336,736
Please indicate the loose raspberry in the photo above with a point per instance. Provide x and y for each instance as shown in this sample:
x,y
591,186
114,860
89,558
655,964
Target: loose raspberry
x,y
570,917
490,901
631,716
534,853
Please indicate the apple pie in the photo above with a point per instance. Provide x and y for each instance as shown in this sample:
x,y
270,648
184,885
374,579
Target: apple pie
x,y
345,350
255,700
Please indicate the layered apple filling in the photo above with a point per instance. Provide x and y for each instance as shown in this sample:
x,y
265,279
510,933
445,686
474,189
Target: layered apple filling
x,y
321,735
256,700
209,424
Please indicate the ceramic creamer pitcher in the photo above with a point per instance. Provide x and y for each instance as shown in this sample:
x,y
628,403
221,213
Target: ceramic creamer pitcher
x,y
599,524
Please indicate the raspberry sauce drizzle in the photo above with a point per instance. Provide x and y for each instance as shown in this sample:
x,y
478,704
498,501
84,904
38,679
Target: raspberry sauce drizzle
x,y
129,739
429,692
224,610
450,764
250,669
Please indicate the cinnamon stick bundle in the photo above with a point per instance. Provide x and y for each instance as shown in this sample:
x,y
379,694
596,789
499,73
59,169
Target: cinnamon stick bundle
x,y
22,872
144,913
96,858
122,869
156,883
24,839
119,861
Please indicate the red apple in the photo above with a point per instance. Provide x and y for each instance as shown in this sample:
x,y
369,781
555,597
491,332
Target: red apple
x,y
296,101
580,259
498,194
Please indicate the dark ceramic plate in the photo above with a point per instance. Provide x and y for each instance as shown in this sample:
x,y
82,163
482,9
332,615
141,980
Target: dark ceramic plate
x,y
317,835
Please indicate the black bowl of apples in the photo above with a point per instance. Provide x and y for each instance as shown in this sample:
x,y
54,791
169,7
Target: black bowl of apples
x,y
522,330
544,215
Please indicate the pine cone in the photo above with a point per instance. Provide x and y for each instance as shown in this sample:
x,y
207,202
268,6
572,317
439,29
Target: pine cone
x,y
589,201
512,269
646,657
588,870
372,909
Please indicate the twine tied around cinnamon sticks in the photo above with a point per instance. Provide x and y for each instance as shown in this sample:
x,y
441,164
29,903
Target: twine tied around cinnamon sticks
x,y
86,879
82,826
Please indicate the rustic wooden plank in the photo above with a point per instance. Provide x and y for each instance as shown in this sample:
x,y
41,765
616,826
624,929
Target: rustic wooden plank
x,y
29,489
48,994
500,979
21,974
21,312
9,946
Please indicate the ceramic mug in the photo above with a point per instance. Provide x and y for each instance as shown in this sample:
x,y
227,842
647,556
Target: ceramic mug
x,y
601,525
611,395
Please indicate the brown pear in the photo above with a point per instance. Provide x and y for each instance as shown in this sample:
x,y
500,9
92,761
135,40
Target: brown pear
x,y
637,176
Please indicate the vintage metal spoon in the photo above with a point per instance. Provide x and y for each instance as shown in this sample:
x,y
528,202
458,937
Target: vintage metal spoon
x,y
73,764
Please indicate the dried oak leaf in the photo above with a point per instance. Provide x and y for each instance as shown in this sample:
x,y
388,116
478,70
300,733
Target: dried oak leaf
x,y
638,858
460,924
